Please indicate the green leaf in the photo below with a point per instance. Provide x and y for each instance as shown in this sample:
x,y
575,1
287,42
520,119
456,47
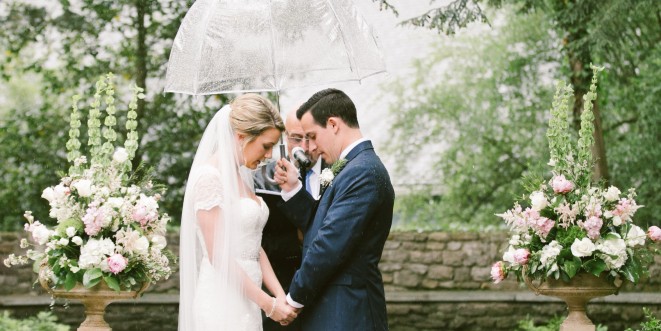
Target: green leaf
x,y
92,277
571,267
595,267
70,281
112,282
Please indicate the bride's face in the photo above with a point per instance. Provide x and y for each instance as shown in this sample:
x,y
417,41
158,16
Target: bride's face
x,y
260,148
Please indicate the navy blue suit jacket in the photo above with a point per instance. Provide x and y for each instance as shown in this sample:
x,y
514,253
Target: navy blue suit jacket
x,y
339,281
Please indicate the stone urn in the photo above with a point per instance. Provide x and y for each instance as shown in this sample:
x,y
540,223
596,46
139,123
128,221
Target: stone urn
x,y
94,299
582,288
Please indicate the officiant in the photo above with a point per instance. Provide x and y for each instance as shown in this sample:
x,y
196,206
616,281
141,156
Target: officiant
x,y
280,239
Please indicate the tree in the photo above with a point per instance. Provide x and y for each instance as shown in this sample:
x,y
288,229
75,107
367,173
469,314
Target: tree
x,y
68,45
474,107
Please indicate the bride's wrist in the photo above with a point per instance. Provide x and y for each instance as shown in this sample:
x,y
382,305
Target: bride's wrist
x,y
270,309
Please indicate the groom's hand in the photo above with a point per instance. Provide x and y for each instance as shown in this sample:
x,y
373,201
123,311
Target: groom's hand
x,y
286,175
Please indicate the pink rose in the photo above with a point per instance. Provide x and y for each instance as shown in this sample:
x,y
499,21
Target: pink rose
x,y
498,272
654,233
117,263
561,185
521,256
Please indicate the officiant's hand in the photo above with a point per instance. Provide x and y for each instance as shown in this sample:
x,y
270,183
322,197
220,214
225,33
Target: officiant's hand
x,y
286,175
283,313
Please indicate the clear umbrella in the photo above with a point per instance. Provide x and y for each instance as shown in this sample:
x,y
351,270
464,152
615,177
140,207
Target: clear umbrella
x,y
270,45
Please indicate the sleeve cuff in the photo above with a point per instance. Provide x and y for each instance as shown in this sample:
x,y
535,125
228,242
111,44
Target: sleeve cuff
x,y
293,303
288,195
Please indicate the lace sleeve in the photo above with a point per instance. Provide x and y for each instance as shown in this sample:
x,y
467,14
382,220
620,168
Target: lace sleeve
x,y
208,192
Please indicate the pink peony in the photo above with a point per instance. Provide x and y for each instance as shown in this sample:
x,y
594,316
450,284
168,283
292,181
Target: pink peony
x,y
561,185
654,233
117,263
521,256
498,272
93,220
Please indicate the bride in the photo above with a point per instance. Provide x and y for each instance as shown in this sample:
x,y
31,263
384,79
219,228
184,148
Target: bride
x,y
222,264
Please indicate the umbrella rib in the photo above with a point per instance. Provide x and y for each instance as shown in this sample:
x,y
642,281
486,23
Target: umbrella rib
x,y
275,68
347,47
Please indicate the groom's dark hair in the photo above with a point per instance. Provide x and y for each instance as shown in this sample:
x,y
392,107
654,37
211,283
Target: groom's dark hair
x,y
330,103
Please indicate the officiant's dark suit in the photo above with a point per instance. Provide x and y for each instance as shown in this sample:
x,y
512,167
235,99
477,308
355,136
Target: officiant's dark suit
x,y
279,240
339,282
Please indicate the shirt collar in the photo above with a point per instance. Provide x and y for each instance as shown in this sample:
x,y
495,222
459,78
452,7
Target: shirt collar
x,y
346,151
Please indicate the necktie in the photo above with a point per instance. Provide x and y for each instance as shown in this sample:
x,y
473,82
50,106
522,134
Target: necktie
x,y
307,181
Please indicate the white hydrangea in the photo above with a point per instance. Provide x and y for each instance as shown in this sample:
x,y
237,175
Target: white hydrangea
x,y
94,252
614,251
550,253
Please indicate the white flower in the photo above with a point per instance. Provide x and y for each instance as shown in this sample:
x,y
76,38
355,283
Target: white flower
x,y
94,252
60,191
74,269
115,202
158,241
77,240
549,253
40,233
635,237
583,247
84,187
509,255
120,155
63,242
71,231
48,194
617,220
538,200
132,242
612,194
614,249
326,177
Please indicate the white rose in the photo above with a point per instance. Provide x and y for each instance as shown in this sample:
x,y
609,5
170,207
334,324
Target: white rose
x,y
120,155
71,231
141,246
77,240
612,194
326,177
636,236
84,187
583,247
538,200
159,241
48,194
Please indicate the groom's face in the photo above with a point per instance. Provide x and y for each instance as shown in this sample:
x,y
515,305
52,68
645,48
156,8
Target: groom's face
x,y
321,140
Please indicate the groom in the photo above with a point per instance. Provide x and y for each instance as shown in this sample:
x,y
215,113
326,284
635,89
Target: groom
x,y
339,285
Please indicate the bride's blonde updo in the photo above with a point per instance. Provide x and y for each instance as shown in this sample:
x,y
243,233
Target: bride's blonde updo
x,y
252,114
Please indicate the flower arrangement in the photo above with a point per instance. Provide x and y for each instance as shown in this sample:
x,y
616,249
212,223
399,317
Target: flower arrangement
x,y
568,225
108,224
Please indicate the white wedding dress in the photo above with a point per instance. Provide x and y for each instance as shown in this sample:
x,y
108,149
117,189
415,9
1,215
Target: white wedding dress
x,y
251,221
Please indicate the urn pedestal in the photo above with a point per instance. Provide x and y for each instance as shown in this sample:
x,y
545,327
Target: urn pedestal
x,y
582,288
95,300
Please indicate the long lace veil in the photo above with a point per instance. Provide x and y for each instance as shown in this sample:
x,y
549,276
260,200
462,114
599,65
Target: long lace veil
x,y
216,180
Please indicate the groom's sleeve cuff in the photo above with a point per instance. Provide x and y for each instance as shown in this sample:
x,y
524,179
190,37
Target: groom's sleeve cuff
x,y
293,303
288,195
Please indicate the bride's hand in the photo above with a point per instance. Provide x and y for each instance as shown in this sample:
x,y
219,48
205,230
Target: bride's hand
x,y
283,313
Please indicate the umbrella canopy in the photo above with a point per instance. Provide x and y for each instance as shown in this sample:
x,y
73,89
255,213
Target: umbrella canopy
x,y
270,45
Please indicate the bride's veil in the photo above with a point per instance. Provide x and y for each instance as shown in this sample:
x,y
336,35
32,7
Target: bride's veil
x,y
215,183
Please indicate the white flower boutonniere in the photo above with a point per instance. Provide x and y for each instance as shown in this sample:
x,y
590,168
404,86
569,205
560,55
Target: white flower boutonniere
x,y
328,174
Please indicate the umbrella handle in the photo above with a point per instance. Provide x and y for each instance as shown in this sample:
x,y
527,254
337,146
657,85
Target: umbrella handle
x,y
283,153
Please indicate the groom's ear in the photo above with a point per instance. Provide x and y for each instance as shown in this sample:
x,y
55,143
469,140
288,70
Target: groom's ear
x,y
333,123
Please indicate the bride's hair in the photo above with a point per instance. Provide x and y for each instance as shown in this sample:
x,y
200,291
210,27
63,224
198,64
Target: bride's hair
x,y
252,114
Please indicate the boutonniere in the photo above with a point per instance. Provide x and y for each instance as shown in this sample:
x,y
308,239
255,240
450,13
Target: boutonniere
x,y
328,174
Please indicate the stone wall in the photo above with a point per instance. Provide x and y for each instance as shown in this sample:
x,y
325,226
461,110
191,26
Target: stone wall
x,y
433,280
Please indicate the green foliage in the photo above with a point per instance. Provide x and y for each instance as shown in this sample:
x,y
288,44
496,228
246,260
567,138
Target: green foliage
x,y
50,54
473,108
44,321
651,323
553,324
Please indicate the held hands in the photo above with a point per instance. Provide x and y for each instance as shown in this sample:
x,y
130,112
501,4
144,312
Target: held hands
x,y
282,312
286,175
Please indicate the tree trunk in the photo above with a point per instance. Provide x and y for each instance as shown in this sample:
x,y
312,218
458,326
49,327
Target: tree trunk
x,y
140,66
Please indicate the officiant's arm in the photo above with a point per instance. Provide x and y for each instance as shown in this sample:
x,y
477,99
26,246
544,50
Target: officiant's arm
x,y
297,204
343,227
